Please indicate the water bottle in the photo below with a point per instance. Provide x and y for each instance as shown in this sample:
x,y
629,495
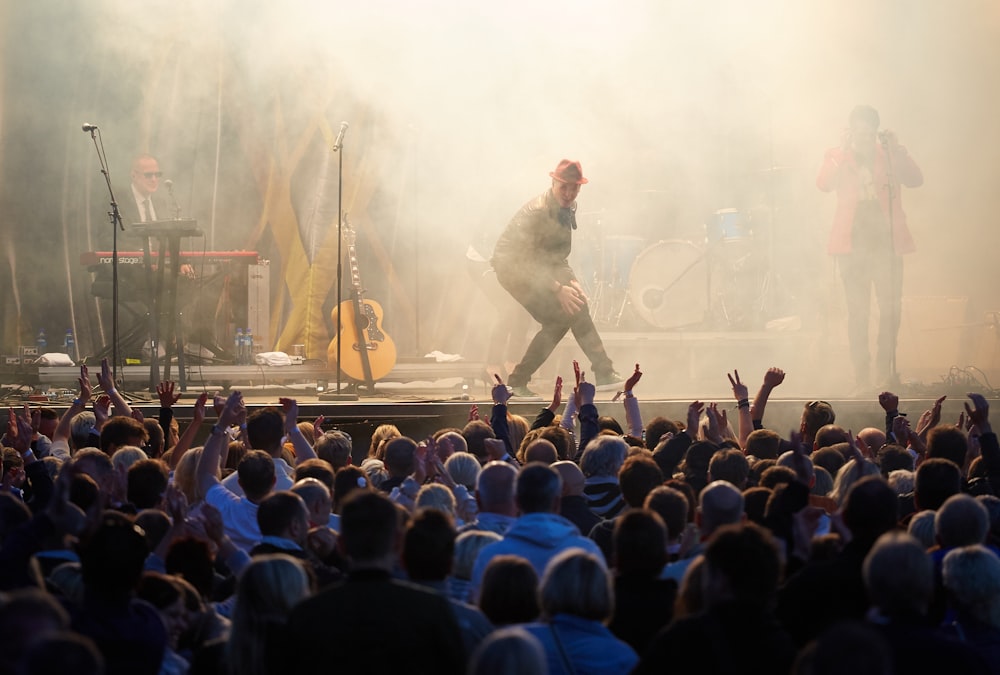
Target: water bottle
x,y
41,342
69,343
248,336
238,346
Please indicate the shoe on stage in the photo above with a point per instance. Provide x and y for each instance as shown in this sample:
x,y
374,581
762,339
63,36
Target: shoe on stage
x,y
610,381
523,393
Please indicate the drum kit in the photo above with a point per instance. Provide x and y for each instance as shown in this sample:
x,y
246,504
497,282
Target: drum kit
x,y
717,281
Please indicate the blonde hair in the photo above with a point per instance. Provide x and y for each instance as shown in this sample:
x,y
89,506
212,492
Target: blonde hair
x,y
850,474
464,468
518,427
575,582
184,474
267,590
382,434
436,496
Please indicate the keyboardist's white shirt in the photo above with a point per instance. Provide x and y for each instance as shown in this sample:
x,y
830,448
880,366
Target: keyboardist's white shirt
x,y
140,205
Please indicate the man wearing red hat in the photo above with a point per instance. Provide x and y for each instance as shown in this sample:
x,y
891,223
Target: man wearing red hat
x,y
531,263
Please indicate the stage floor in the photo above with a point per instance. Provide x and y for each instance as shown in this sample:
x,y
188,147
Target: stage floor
x,y
422,395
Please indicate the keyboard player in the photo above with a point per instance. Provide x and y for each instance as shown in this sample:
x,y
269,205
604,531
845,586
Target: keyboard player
x,y
138,203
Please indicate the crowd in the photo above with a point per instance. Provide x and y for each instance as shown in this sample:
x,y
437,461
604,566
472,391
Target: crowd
x,y
572,543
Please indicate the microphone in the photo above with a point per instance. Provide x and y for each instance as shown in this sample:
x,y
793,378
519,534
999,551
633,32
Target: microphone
x,y
170,189
89,127
339,143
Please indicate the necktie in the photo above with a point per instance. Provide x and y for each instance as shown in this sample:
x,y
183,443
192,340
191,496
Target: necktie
x,y
147,211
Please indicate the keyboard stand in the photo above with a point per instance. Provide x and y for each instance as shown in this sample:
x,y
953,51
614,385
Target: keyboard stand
x,y
164,297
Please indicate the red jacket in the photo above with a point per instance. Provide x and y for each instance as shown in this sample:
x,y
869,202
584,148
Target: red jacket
x,y
840,172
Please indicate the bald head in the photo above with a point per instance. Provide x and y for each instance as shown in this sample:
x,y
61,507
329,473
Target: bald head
x,y
541,450
495,488
873,438
572,478
720,503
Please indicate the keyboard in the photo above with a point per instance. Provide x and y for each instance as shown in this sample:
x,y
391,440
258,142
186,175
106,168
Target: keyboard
x,y
92,258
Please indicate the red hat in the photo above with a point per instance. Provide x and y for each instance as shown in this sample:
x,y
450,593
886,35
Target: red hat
x,y
569,172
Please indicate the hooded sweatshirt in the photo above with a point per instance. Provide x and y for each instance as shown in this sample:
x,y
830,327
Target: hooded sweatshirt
x,y
536,537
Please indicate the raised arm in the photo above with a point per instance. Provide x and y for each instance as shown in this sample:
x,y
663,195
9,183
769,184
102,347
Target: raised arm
x,y
633,417
303,450
772,378
165,392
741,394
585,393
79,405
498,415
211,454
107,382
172,456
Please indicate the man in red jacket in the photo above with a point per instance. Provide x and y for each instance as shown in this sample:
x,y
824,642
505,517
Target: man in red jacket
x,y
869,233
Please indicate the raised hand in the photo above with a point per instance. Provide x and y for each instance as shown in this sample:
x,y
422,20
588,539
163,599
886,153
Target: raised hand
x,y
291,408
86,389
102,409
979,413
773,377
218,403
712,433
473,412
22,442
165,392
175,504
888,401
500,393
198,413
11,424
105,378
585,392
633,379
740,390
318,426
232,410
693,417
556,394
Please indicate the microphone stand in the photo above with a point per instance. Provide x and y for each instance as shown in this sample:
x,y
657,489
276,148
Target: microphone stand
x,y
116,223
894,267
338,147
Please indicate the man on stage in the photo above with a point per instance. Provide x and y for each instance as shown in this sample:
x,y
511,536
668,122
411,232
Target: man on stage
x,y
869,235
530,260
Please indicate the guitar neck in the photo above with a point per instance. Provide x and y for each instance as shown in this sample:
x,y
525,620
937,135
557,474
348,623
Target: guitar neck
x,y
352,259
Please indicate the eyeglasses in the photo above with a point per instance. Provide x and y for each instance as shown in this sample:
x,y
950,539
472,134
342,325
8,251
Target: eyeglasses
x,y
152,174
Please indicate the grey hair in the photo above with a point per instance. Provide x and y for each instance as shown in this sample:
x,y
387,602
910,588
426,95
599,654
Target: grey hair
x,y
603,456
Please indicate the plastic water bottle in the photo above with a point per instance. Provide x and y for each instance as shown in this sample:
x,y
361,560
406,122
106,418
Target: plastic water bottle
x,y
248,336
69,343
41,342
238,346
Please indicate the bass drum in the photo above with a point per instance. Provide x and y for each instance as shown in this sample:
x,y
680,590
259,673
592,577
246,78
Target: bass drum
x,y
669,284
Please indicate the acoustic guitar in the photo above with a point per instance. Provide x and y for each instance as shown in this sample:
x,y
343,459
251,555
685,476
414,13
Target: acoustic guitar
x,y
367,353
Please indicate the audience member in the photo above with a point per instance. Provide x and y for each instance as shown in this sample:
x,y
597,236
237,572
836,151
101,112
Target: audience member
x,y
371,615
577,600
